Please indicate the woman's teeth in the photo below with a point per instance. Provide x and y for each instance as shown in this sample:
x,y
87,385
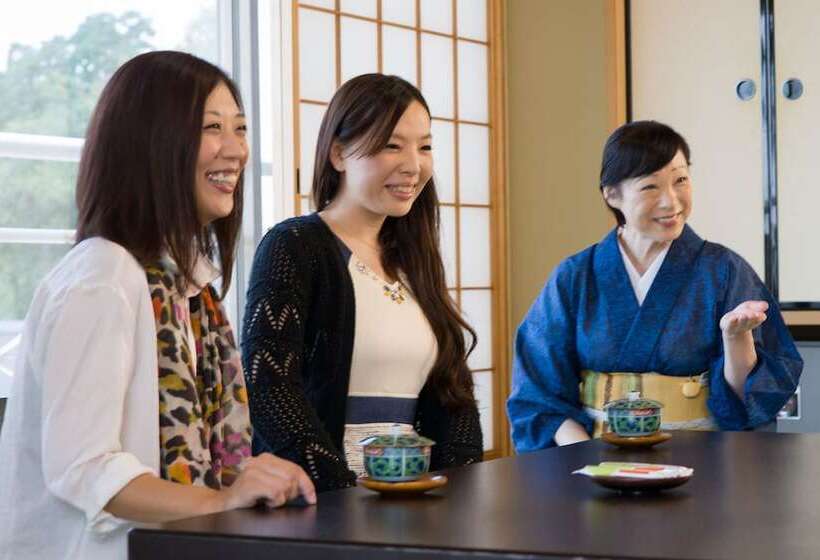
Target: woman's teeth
x,y
222,177
402,189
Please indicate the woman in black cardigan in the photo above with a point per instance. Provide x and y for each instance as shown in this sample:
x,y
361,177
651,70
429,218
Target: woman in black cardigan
x,y
349,326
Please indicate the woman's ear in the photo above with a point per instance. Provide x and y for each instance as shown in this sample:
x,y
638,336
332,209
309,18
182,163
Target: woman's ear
x,y
336,158
612,196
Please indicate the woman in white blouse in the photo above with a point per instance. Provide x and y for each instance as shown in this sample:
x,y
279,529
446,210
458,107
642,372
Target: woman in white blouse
x,y
126,344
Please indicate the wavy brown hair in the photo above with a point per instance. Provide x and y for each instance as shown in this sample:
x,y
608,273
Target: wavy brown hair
x,y
137,173
364,112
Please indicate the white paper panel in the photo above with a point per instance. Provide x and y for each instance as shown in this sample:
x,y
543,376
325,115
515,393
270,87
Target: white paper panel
x,y
798,138
329,4
448,243
472,19
310,119
474,236
399,53
359,48
477,307
472,82
305,207
317,62
437,74
454,295
437,15
444,160
399,11
483,381
474,164
365,8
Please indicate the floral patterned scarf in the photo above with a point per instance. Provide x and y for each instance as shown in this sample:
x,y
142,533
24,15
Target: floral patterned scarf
x,y
204,420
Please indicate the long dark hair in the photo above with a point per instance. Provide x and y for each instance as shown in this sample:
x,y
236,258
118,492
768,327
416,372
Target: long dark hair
x,y
138,168
365,110
637,149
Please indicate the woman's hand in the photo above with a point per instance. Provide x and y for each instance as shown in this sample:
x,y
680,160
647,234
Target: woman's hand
x,y
266,478
271,480
745,317
739,351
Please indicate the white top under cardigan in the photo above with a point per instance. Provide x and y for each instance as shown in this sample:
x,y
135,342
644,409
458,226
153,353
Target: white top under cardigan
x,y
394,349
82,420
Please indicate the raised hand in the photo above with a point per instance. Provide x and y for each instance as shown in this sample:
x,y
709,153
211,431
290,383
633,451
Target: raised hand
x,y
743,318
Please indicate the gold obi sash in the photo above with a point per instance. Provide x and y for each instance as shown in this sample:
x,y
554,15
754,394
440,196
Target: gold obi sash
x,y
684,398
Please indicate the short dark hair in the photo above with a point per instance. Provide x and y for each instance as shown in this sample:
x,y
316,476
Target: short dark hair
x,y
137,173
637,149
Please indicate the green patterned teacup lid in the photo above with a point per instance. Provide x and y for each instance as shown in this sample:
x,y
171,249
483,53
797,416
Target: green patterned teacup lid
x,y
632,402
397,439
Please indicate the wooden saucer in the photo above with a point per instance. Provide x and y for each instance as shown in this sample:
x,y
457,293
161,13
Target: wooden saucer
x,y
419,486
639,441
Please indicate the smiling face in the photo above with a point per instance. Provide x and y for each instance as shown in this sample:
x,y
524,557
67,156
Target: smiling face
x,y
388,182
223,153
655,206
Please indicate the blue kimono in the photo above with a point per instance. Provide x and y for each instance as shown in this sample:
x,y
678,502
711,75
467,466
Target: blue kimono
x,y
588,318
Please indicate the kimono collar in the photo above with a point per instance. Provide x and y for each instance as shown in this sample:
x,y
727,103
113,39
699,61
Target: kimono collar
x,y
613,284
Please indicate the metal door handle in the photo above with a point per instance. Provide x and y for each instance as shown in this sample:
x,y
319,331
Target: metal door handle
x,y
792,88
745,89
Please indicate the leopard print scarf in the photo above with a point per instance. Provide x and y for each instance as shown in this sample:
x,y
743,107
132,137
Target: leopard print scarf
x,y
204,420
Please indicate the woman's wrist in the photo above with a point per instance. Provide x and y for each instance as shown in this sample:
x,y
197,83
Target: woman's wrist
x,y
216,502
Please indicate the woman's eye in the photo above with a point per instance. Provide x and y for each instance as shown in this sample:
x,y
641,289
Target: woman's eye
x,y
213,126
427,148
243,128
648,187
393,147
681,180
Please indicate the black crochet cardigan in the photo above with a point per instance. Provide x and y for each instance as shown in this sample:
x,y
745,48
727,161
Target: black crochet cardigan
x,y
297,343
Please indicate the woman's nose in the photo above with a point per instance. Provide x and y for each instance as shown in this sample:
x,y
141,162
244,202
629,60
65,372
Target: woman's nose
x,y
411,164
234,146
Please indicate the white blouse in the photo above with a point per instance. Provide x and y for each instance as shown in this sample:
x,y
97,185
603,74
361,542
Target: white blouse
x,y
82,417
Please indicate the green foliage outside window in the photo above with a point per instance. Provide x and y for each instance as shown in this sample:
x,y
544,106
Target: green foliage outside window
x,y
51,89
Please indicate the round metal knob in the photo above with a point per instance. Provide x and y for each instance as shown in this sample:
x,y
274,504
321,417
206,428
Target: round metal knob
x,y
792,89
745,89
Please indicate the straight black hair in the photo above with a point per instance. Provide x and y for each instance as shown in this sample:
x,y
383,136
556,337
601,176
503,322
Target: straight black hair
x,y
137,171
638,149
363,113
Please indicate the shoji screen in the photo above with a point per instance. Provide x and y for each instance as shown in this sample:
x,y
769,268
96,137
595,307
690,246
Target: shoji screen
x,y
443,47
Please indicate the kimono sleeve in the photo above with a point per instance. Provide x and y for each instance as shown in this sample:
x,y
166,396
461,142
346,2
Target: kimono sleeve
x,y
86,372
779,365
545,377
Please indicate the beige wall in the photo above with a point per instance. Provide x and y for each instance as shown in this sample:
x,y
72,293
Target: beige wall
x,y
558,120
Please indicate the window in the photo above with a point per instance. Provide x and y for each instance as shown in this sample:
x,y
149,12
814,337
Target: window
x,y
55,58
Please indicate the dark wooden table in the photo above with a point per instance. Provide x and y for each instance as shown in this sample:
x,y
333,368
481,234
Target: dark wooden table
x,y
753,496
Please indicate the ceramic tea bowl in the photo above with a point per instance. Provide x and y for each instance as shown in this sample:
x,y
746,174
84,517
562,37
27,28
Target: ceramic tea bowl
x,y
634,416
396,458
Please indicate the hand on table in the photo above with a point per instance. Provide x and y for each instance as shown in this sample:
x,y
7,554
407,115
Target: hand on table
x,y
271,480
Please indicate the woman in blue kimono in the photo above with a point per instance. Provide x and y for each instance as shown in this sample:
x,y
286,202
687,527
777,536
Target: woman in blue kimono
x,y
651,308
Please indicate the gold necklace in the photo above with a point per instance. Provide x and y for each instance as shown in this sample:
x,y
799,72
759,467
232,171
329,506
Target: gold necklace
x,y
396,292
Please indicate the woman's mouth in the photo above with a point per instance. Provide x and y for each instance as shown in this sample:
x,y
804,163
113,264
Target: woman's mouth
x,y
223,180
402,192
670,220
